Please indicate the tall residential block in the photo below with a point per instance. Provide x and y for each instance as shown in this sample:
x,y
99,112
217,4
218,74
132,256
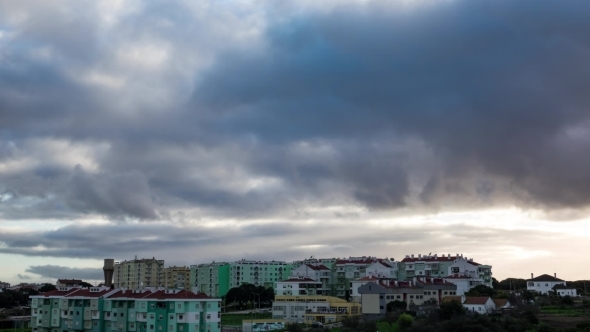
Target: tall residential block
x,y
217,278
177,277
101,309
139,273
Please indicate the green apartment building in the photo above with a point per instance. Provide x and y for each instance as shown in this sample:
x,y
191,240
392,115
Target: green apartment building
x,y
101,309
216,279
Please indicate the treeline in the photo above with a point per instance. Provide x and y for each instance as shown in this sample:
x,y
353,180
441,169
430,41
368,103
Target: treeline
x,y
246,294
582,286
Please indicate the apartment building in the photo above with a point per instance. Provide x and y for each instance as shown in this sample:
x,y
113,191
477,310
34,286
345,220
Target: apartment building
x,y
101,309
298,286
177,277
444,266
67,282
4,285
309,309
139,273
347,270
216,279
317,272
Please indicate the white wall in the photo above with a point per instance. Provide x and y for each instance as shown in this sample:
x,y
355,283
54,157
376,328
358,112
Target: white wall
x,y
543,286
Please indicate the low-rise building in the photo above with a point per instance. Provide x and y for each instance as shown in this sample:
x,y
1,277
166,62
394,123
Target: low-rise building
x,y
544,283
479,304
563,290
298,286
101,309
309,309
376,295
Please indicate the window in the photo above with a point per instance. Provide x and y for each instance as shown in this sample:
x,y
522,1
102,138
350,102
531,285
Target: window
x,y
171,316
143,305
181,328
114,314
132,325
160,317
151,327
208,316
381,307
208,305
151,316
196,306
159,327
170,328
122,314
180,316
179,306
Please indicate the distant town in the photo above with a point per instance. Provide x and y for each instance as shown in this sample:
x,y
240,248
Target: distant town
x,y
140,295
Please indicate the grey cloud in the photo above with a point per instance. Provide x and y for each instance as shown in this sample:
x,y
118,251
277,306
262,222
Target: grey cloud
x,y
23,277
66,272
446,105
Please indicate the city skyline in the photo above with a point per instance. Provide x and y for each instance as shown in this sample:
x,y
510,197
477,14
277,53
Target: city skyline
x,y
256,129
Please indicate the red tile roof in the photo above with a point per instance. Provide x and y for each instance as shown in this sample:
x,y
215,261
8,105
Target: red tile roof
x,y
500,302
476,300
356,261
130,294
457,276
373,278
57,292
385,263
85,292
183,294
300,280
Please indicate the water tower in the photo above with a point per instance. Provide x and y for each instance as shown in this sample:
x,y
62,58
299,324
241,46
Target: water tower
x,y
108,269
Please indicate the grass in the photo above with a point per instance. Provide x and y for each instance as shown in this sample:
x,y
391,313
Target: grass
x,y
563,311
236,319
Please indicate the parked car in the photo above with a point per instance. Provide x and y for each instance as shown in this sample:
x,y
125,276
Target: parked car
x,y
317,324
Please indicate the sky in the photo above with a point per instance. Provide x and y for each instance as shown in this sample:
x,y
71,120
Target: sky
x,y
219,130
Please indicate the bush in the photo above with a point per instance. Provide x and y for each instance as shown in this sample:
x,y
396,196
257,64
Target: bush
x,y
396,305
405,321
448,310
567,300
294,328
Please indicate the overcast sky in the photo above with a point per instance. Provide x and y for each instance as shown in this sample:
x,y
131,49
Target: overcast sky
x,y
193,131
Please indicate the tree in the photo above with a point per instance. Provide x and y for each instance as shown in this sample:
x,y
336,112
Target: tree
x,y
567,300
396,306
495,283
481,290
405,321
294,328
47,288
449,310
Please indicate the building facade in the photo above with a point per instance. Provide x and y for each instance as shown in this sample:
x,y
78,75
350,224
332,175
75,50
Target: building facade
x,y
177,277
216,279
298,286
544,283
444,266
309,309
139,273
101,309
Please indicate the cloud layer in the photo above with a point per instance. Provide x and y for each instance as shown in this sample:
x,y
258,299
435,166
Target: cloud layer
x,y
202,113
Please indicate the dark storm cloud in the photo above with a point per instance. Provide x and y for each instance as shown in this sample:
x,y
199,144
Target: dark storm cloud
x,y
65,272
23,277
440,105
497,87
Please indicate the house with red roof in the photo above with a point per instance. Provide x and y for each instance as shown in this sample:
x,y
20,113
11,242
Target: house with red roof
x,y
480,304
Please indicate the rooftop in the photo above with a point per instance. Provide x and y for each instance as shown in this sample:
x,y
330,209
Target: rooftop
x,y
545,277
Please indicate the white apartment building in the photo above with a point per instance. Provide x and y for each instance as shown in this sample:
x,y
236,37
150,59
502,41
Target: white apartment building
x,y
139,273
383,269
316,272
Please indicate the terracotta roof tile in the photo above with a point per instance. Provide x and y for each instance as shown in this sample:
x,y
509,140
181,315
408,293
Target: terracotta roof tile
x,y
300,280
545,277
87,293
500,302
451,298
130,294
183,294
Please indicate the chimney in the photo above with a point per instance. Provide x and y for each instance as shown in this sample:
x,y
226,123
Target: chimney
x,y
531,276
108,269
555,274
